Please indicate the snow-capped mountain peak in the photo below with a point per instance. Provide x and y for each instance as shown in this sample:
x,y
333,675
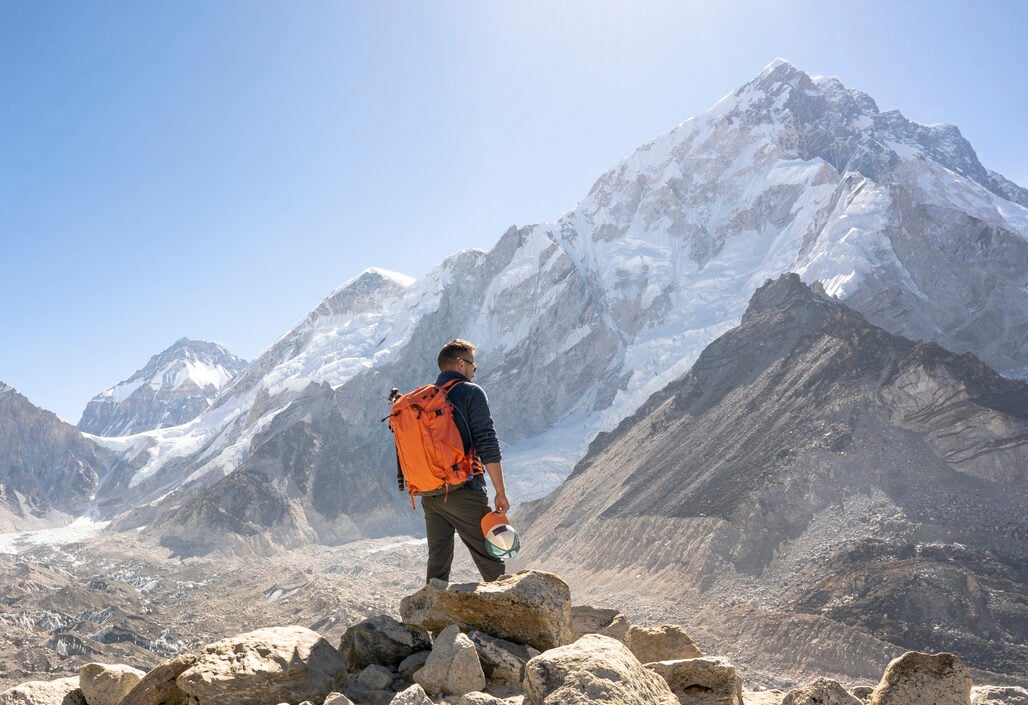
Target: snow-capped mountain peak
x,y
171,389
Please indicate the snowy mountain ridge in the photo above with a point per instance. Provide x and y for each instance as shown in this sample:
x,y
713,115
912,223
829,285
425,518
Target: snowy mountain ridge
x,y
173,387
580,320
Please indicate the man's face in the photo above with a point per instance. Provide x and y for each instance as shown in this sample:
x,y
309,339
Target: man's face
x,y
466,365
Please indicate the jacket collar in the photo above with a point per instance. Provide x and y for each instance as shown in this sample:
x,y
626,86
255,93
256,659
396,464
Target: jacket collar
x,y
448,375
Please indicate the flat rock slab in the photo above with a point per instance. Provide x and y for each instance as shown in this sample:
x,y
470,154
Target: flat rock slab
x,y
530,607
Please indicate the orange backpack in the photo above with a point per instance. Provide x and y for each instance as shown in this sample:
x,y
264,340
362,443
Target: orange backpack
x,y
429,449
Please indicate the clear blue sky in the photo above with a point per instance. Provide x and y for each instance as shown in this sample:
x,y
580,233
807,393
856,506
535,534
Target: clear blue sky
x,y
215,169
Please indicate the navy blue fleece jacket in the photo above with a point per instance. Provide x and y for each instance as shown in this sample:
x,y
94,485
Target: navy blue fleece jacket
x,y
474,421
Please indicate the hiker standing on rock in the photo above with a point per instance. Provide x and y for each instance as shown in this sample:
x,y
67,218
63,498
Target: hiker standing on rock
x,y
458,500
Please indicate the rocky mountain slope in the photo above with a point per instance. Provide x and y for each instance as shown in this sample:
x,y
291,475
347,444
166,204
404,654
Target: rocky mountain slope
x,y
48,470
579,321
174,387
815,480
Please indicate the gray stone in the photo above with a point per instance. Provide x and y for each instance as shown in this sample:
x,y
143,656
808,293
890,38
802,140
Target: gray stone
x,y
410,665
530,607
595,669
822,691
375,677
863,692
453,668
159,685
586,619
264,667
63,691
998,695
916,678
381,640
665,643
104,684
415,695
364,696
478,698
337,699
502,660
712,681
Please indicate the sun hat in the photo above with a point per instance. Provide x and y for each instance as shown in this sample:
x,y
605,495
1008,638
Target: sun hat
x,y
501,541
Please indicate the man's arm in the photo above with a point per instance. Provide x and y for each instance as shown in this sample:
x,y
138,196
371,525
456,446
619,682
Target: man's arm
x,y
495,471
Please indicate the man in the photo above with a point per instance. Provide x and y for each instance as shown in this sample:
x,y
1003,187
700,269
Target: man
x,y
462,509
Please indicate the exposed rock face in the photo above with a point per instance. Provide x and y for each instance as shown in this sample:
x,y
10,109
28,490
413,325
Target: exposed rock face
x,y
916,678
48,470
502,660
264,667
702,681
531,607
174,387
805,450
586,619
595,669
380,639
453,668
108,685
668,642
823,691
999,695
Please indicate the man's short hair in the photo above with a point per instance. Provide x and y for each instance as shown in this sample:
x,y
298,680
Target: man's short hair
x,y
453,350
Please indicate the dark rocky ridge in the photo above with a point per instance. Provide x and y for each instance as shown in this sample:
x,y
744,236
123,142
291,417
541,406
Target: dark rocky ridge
x,y
811,463
48,470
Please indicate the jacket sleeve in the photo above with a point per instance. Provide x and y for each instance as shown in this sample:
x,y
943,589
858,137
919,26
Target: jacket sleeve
x,y
483,435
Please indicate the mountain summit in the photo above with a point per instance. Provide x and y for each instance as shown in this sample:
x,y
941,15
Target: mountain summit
x,y
173,388
581,320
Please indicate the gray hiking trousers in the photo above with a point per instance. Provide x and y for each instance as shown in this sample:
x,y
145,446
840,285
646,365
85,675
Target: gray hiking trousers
x,y
461,510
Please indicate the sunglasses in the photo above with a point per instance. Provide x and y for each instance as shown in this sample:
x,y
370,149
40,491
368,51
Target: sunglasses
x,y
469,362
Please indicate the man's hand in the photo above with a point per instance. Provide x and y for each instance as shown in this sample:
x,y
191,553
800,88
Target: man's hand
x,y
500,504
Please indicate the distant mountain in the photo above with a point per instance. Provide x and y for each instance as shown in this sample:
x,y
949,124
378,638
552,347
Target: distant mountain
x,y
48,470
174,387
581,320
816,481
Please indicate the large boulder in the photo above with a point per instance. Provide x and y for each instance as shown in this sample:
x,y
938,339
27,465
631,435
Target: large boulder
x,y
586,619
265,667
710,681
822,691
104,684
665,643
63,691
381,640
530,607
998,695
159,686
915,678
453,667
595,669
